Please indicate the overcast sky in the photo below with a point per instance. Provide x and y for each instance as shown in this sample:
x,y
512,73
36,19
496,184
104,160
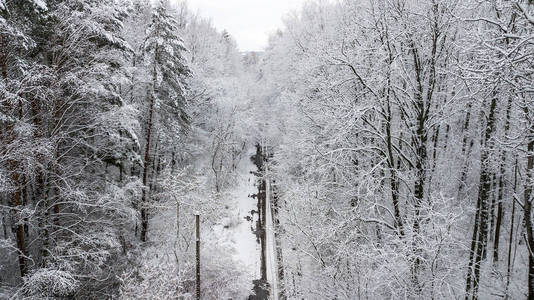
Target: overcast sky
x,y
249,21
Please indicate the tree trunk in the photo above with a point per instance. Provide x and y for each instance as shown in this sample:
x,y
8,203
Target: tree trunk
x,y
58,113
394,181
146,168
45,223
420,141
17,203
511,236
14,168
466,151
527,217
500,192
493,207
144,216
480,231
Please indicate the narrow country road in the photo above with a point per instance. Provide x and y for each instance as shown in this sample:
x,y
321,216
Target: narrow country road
x,y
240,228
247,249
272,264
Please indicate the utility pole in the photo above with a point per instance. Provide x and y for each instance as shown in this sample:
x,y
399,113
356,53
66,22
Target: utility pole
x,y
197,219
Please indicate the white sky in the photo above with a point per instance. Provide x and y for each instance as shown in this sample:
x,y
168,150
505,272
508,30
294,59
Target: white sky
x,y
249,21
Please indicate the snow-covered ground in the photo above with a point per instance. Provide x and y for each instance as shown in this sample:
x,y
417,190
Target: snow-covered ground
x,y
272,264
247,250
236,232
244,241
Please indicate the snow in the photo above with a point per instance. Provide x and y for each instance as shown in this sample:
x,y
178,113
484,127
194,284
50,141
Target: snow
x,y
272,264
41,4
235,231
247,251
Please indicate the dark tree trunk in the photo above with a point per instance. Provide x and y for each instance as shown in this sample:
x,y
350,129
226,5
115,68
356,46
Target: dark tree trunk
x,y
146,167
466,150
144,215
511,235
419,140
45,223
13,165
394,181
501,185
480,231
17,203
492,209
527,217
58,113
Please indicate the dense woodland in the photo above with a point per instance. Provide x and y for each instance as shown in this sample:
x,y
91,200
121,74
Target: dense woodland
x,y
398,139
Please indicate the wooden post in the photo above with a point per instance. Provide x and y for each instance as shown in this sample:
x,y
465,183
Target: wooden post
x,y
197,218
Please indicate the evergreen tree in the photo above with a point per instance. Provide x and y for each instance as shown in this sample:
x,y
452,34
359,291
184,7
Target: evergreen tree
x,y
166,96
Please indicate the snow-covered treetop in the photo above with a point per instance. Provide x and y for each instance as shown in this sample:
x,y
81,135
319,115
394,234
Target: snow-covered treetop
x,y
40,4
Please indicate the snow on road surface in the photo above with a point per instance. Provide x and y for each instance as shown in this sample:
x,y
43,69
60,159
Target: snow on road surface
x,y
272,264
247,250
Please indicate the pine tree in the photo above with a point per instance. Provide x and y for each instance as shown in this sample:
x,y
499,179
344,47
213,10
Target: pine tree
x,y
17,84
63,121
164,54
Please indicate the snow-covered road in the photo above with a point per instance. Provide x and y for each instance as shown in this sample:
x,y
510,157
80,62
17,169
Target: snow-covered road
x,y
244,241
247,250
272,263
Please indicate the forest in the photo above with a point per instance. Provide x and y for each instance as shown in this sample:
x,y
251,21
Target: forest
x,y
376,149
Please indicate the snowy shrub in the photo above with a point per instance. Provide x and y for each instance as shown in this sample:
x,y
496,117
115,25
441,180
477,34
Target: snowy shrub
x,y
48,283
